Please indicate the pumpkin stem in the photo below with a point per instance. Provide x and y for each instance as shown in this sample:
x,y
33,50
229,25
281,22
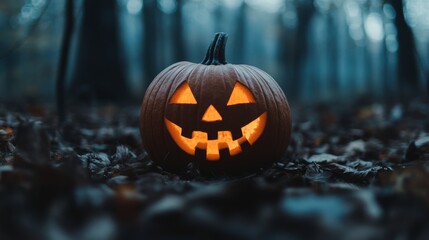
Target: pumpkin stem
x,y
216,53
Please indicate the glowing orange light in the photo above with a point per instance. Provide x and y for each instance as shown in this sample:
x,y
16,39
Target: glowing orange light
x,y
251,132
240,94
211,115
183,95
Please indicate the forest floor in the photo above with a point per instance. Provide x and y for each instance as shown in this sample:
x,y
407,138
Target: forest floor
x,y
361,173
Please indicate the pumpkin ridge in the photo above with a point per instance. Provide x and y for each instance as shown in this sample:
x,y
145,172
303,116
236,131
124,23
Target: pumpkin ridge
x,y
273,88
155,91
200,74
179,75
262,83
184,74
151,90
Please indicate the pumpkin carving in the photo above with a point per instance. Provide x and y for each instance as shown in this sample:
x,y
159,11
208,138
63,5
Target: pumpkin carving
x,y
220,116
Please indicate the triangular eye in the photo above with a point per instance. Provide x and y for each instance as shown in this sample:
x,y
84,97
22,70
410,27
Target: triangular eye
x,y
183,95
240,95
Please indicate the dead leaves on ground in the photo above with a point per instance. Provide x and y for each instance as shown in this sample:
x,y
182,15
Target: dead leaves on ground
x,y
357,172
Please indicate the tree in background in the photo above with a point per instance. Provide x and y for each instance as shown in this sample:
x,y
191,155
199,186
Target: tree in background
x,y
99,73
407,52
240,33
305,11
150,43
64,59
179,46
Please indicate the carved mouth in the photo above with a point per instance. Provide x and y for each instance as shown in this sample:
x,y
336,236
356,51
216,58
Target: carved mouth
x,y
200,140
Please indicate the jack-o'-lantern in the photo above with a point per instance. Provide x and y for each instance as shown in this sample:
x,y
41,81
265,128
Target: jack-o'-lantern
x,y
220,116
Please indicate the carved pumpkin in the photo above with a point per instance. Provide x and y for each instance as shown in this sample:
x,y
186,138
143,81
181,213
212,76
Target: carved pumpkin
x,y
219,115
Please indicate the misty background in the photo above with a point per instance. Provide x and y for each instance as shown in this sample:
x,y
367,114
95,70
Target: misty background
x,y
317,50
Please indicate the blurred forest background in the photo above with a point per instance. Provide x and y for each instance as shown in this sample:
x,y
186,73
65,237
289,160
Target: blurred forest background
x,y
315,49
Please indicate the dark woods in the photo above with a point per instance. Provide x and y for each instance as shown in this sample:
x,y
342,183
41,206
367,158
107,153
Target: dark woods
x,y
358,171
99,71
316,49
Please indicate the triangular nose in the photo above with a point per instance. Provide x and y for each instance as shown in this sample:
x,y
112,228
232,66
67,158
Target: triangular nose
x,y
211,115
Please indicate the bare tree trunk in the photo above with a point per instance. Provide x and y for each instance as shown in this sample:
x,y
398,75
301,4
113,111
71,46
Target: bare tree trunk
x,y
332,46
179,51
99,72
150,16
218,15
64,59
407,52
240,34
305,13
286,39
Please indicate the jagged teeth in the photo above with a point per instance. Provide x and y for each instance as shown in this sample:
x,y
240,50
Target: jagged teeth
x,y
219,135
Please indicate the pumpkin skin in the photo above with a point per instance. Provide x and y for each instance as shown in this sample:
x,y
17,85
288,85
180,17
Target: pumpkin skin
x,y
222,117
